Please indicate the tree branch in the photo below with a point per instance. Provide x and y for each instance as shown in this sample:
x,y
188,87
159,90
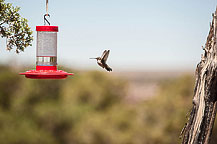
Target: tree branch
x,y
200,123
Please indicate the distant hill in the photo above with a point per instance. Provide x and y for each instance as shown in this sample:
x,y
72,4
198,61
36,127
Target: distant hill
x,y
144,85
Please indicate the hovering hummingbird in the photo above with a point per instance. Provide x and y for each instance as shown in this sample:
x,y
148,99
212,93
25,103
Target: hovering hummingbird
x,y
101,61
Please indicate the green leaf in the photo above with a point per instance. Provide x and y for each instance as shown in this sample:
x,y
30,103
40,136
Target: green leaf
x,y
14,27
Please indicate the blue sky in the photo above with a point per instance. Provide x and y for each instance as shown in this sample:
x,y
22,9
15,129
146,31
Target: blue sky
x,y
141,34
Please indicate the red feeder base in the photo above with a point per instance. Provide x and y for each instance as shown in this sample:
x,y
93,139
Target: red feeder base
x,y
46,72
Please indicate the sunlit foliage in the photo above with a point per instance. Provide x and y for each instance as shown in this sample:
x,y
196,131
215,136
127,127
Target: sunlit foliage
x,y
14,28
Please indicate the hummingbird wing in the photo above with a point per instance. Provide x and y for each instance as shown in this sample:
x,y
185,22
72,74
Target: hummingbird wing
x,y
105,55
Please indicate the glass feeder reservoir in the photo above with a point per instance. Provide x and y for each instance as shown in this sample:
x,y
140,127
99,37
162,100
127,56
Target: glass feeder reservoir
x,y
46,52
46,55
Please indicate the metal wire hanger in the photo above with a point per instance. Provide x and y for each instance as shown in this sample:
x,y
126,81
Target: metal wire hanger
x,y
46,22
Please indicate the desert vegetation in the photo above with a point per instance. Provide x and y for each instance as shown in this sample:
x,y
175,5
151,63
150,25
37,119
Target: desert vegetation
x,y
90,108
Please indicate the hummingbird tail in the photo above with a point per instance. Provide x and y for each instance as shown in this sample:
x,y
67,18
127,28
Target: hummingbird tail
x,y
108,68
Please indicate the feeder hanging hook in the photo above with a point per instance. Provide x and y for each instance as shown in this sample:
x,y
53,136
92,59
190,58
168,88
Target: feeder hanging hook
x,y
45,19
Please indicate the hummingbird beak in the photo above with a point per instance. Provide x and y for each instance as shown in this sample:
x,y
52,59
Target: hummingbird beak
x,y
92,58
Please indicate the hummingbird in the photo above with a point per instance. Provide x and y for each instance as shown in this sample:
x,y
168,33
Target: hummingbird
x,y
101,61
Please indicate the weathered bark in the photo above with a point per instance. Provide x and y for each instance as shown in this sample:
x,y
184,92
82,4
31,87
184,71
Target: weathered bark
x,y
199,127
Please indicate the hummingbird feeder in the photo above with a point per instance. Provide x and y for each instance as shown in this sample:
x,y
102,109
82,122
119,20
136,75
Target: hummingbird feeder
x,y
46,54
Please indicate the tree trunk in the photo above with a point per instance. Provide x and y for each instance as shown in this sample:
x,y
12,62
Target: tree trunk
x,y
200,123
